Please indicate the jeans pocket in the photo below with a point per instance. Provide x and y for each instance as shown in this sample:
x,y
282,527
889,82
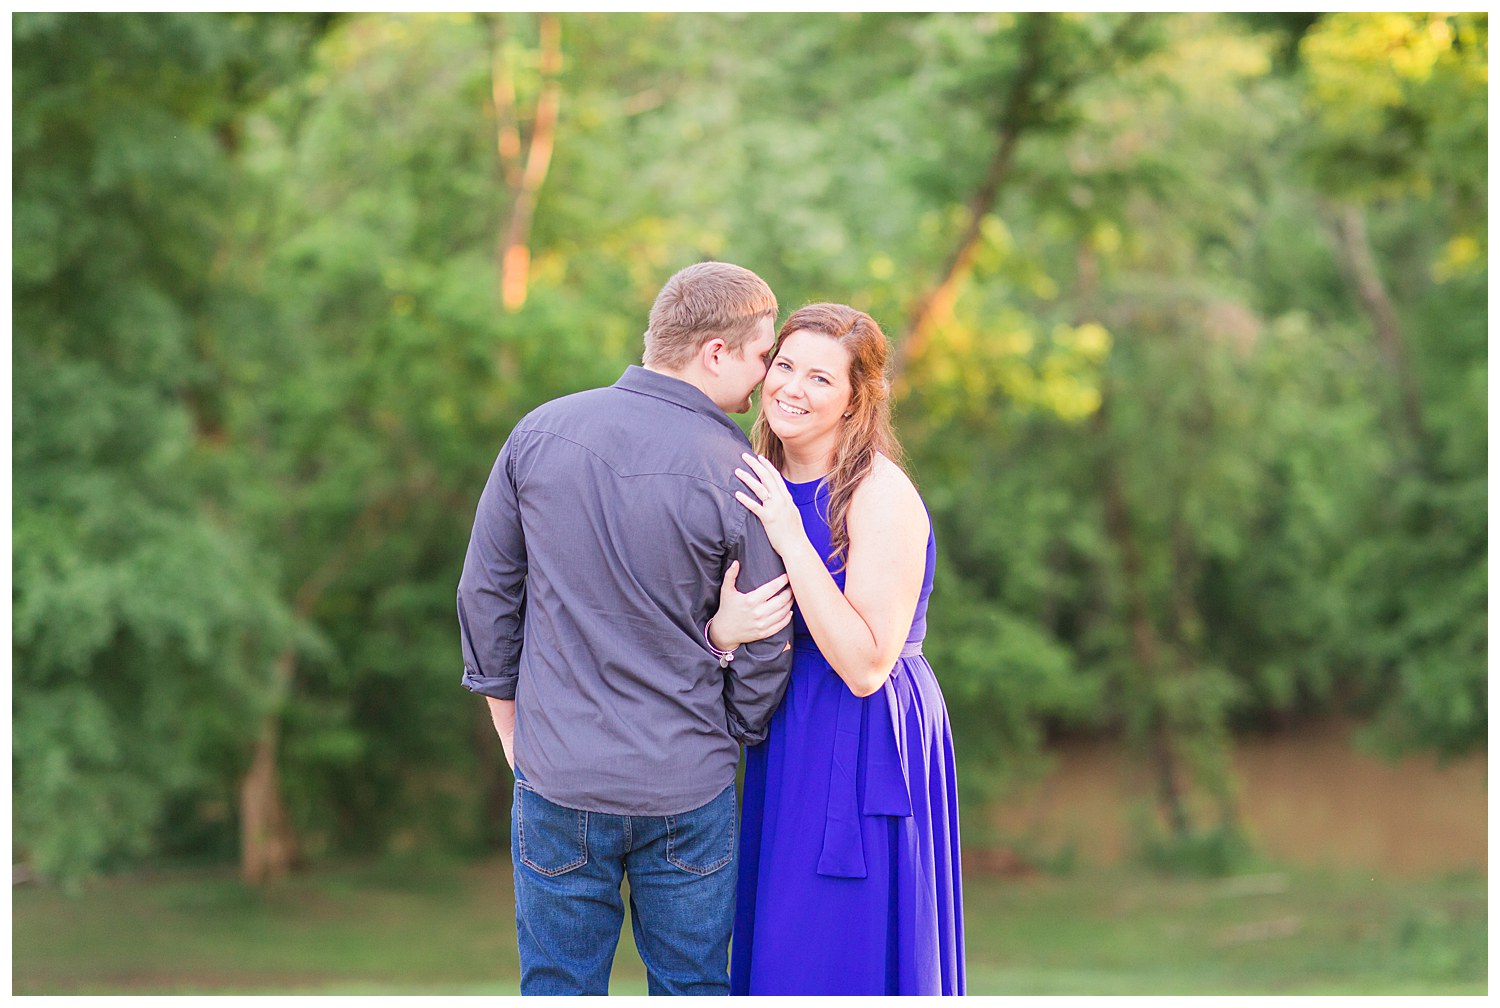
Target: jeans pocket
x,y
553,839
701,842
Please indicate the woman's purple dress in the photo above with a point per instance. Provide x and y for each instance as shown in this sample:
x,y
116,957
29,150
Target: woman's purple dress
x,y
849,860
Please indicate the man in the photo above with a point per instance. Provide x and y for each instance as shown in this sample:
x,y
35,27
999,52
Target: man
x,y
598,549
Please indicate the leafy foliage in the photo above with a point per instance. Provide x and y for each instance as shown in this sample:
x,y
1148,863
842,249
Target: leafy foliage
x,y
139,612
261,370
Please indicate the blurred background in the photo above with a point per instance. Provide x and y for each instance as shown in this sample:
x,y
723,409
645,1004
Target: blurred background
x,y
1190,323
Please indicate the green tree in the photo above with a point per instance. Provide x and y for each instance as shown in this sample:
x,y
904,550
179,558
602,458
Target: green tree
x,y
141,614
1397,147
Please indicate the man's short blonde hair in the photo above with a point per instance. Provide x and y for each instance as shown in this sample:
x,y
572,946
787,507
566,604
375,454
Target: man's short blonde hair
x,y
711,299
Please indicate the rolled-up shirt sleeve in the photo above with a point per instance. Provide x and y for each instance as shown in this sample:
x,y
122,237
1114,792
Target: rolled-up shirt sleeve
x,y
755,681
492,589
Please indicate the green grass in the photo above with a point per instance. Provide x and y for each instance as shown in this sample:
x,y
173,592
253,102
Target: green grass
x,y
450,930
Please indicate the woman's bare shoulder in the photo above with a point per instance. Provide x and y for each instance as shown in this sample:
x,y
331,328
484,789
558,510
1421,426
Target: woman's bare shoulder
x,y
888,499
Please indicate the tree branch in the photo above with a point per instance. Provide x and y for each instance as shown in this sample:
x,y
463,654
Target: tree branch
x,y
937,303
1029,96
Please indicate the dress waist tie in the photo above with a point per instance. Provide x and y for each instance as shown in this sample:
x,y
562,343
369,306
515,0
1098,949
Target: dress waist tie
x,y
879,752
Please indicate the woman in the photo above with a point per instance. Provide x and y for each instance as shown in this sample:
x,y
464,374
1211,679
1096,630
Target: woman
x,y
849,859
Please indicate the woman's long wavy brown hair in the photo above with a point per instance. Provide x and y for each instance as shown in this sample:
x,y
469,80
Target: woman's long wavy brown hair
x,y
866,431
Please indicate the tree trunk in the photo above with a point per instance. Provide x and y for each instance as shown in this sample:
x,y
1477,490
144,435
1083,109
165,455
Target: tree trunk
x,y
1145,643
268,844
269,848
1352,241
524,174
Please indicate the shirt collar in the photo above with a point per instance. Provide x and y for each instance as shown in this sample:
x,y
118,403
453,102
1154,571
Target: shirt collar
x,y
675,391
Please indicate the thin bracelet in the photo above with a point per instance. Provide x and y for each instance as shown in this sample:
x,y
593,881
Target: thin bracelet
x,y
725,657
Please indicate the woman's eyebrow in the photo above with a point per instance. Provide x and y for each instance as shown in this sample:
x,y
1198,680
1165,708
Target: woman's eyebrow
x,y
817,370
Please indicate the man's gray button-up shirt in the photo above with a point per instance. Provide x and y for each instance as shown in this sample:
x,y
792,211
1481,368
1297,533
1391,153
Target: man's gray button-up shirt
x,y
598,549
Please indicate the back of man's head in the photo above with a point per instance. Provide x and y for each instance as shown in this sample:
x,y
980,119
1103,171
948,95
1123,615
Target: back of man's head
x,y
708,300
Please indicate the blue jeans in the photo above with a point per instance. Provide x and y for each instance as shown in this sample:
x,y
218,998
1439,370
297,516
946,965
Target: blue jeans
x,y
568,867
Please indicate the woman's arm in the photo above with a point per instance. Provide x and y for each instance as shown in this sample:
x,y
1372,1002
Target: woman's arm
x,y
749,616
862,629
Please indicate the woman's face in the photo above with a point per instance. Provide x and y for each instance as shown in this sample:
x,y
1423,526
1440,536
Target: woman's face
x,y
807,389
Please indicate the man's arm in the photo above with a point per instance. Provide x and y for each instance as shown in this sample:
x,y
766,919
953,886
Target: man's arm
x,y
503,713
755,681
492,597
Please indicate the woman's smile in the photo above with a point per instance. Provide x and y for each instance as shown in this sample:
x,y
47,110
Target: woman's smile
x,y
807,388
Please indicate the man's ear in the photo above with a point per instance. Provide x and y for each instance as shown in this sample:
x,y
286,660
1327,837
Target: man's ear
x,y
711,355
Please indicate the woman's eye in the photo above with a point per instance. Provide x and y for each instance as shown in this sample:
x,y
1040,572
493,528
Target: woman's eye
x,y
783,365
